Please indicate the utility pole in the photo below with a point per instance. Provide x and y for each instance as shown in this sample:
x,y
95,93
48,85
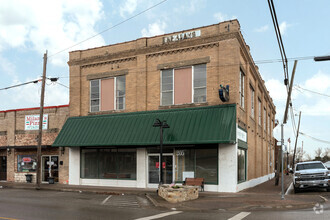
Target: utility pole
x,y
295,145
288,100
41,122
282,145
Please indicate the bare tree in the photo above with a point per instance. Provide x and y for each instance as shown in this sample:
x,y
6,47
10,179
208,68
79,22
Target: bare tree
x,y
300,154
318,153
308,157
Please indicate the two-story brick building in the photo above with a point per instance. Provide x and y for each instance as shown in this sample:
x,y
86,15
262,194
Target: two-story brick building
x,y
118,91
19,140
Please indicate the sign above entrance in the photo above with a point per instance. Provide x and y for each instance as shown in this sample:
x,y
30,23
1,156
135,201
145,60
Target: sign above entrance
x,y
182,36
241,135
32,122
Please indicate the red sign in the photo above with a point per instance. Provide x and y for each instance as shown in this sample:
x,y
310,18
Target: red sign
x,y
26,159
157,165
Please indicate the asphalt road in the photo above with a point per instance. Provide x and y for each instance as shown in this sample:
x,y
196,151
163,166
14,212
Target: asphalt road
x,y
32,204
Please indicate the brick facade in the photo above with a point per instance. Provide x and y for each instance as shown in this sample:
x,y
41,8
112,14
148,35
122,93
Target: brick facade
x,y
15,140
221,47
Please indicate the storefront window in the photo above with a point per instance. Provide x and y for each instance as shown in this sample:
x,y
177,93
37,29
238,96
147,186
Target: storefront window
x,y
197,163
26,163
89,167
241,165
108,163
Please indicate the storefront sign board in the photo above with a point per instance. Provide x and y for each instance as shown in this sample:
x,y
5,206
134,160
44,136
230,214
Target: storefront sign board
x,y
182,36
32,122
241,135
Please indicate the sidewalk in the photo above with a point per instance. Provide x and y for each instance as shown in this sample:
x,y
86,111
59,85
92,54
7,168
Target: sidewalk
x,y
265,196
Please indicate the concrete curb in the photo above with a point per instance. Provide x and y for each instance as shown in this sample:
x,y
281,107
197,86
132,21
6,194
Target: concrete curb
x,y
154,202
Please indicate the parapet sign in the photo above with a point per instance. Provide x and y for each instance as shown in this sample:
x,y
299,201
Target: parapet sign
x,y
32,122
181,36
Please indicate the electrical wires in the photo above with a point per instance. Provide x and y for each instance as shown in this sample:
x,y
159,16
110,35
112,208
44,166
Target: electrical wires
x,y
22,84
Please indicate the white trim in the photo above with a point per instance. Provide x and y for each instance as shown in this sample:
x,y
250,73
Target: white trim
x,y
155,185
192,83
173,87
115,93
254,182
50,159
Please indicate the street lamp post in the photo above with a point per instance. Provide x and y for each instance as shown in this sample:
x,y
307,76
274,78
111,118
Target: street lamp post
x,y
161,125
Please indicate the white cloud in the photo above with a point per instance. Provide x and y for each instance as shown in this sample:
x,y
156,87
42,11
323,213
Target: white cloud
x,y
156,28
28,96
320,108
262,29
7,66
220,17
320,82
277,90
129,6
42,25
283,27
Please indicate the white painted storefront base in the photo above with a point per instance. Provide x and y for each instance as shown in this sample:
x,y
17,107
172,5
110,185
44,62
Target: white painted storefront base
x,y
227,172
254,182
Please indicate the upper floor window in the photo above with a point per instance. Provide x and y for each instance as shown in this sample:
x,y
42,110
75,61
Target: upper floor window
x,y
252,100
268,122
184,85
259,111
108,94
241,88
265,116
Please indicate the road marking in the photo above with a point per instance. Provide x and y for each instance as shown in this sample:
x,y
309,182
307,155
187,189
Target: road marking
x,y
159,215
289,189
8,218
325,200
240,216
104,201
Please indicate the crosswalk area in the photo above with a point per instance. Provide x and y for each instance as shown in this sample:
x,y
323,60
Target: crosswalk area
x,y
126,201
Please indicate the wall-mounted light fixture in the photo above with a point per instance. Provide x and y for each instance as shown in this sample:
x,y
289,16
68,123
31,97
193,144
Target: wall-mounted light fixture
x,y
8,151
62,150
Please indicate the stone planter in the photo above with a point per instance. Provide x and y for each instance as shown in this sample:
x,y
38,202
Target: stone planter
x,y
174,195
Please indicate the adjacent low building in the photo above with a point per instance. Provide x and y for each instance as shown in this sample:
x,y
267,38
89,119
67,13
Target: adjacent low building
x,y
18,144
117,92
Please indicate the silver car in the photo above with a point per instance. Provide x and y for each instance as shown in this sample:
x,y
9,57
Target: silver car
x,y
311,174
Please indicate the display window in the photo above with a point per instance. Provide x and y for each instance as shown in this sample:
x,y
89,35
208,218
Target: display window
x,y
26,163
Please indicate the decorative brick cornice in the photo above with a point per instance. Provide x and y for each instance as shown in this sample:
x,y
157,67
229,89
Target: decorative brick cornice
x,y
109,62
181,50
107,74
198,43
183,63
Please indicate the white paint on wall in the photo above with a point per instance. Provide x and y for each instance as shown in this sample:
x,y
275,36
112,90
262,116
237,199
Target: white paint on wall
x,y
109,182
74,165
227,167
254,182
141,168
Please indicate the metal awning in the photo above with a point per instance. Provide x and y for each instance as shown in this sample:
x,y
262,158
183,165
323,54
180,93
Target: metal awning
x,y
199,125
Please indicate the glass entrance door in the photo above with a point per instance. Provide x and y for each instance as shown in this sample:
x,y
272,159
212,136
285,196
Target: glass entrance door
x,y
3,167
154,168
49,168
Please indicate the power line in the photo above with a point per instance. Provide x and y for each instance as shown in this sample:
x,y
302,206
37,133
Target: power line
x,y
54,80
279,40
297,87
316,139
22,84
130,18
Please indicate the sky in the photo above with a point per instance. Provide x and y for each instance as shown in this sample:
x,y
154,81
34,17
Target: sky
x,y
30,28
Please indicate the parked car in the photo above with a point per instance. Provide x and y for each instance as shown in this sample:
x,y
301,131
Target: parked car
x,y
311,174
327,165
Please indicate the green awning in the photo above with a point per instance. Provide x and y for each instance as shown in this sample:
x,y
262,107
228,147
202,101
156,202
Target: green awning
x,y
199,125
